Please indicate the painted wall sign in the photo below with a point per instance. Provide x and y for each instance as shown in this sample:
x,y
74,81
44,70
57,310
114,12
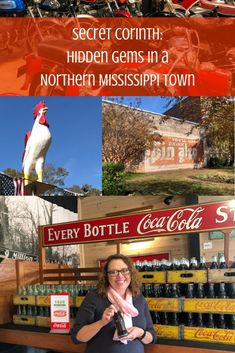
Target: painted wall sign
x,y
187,219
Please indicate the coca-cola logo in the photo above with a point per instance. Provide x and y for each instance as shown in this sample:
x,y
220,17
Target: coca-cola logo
x,y
215,335
215,305
186,219
59,313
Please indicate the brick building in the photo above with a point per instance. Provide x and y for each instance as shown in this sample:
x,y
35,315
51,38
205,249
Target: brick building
x,y
180,144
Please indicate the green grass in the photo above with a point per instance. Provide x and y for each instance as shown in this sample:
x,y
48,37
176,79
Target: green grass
x,y
182,182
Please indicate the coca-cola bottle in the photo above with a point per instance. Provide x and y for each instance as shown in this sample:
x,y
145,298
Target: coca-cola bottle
x,y
232,322
221,321
137,265
233,263
155,265
174,265
174,319
19,310
211,291
189,320
232,291
155,317
156,290
222,292
190,291
120,325
210,321
199,321
167,291
174,291
214,263
202,264
145,265
222,262
200,291
183,264
165,320
193,263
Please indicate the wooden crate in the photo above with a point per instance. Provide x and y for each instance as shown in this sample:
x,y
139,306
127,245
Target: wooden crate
x,y
24,300
44,300
42,321
187,276
164,304
24,320
212,335
153,277
225,275
217,306
167,331
78,301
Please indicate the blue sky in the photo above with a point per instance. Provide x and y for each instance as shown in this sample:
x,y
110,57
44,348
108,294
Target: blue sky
x,y
75,125
153,104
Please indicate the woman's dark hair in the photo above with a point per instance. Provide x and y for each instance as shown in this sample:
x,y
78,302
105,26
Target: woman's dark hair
x,y
103,284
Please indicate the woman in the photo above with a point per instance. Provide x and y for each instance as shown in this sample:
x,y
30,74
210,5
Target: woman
x,y
117,290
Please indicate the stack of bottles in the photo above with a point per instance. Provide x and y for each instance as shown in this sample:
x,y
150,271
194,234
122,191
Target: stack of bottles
x,y
209,320
221,290
45,290
182,264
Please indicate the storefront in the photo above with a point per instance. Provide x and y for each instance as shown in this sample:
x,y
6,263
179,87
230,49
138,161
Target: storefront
x,y
187,316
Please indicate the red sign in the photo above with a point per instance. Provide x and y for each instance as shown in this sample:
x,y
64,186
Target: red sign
x,y
187,219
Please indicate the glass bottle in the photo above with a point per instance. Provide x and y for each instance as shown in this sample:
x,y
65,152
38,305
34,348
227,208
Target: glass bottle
x,y
222,262
156,291
145,265
29,310
174,265
210,321
214,263
199,322
233,263
174,319
183,264
189,320
211,291
41,311
35,310
19,311
222,292
232,291
154,265
165,320
193,263
221,321
200,291
174,291
202,264
167,291
120,325
23,310
232,322
190,292
155,317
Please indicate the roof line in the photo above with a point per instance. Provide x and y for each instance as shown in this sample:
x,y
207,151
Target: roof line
x,y
148,111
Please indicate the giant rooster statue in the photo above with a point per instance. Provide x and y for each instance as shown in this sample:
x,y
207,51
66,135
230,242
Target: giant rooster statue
x,y
37,143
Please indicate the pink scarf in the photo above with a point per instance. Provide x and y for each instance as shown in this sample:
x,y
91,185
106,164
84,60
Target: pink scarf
x,y
123,305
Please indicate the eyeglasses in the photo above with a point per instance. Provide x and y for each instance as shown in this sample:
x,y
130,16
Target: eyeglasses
x,y
123,271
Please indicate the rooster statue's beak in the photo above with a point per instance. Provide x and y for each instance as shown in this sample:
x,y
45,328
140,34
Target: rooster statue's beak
x,y
45,110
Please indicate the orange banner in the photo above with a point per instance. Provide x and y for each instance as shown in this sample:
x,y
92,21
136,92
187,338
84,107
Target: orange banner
x,y
135,56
